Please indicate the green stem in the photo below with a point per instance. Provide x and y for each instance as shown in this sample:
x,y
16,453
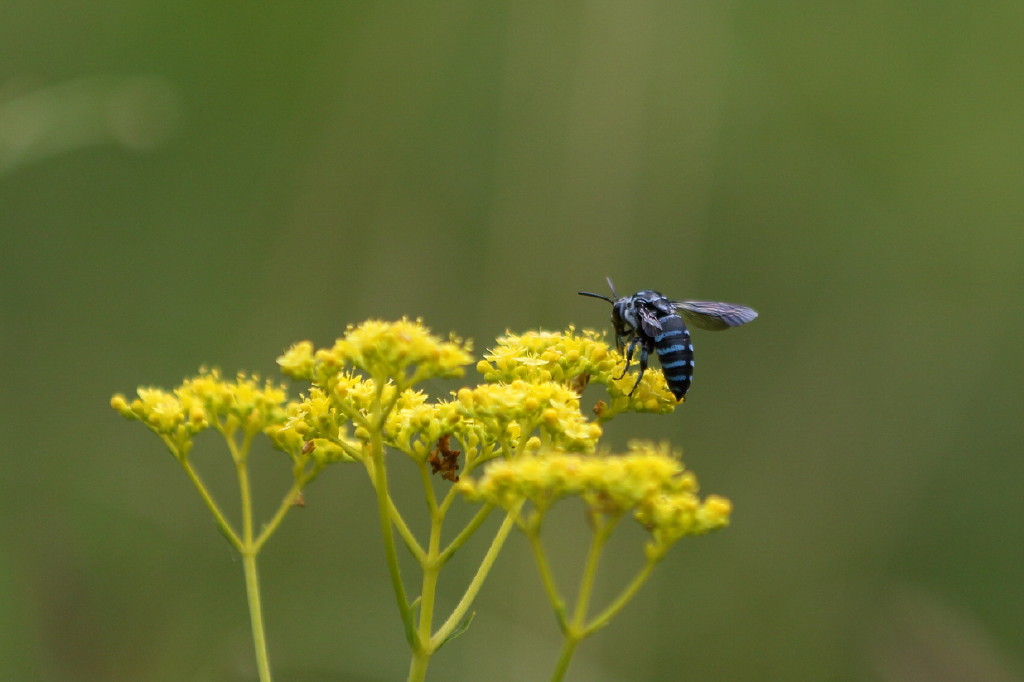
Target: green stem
x,y
459,613
286,504
422,649
222,523
418,665
547,577
428,488
379,476
249,551
411,543
252,592
603,528
624,597
386,529
448,500
218,516
564,658
577,630
431,564
426,645
466,532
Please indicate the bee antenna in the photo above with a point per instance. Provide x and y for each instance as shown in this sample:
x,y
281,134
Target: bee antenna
x,y
611,286
603,298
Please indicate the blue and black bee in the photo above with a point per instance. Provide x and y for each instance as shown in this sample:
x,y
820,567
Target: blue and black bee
x,y
651,321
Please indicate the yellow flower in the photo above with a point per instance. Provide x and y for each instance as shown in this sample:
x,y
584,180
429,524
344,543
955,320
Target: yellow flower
x,y
515,409
651,395
546,356
404,351
673,516
415,425
205,400
161,411
314,425
648,480
351,391
244,402
297,361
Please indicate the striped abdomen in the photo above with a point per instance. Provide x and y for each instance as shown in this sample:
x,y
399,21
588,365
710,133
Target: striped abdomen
x,y
675,351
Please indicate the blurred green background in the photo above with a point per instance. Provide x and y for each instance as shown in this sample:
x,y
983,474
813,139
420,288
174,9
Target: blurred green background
x,y
193,182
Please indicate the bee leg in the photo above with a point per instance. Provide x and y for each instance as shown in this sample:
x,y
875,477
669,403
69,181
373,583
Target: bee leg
x,y
629,356
643,368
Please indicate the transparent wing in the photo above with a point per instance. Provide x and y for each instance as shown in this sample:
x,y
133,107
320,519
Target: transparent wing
x,y
714,315
648,320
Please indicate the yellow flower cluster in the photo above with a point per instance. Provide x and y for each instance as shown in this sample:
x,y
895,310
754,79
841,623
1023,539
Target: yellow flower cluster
x,y
297,362
649,480
651,395
574,360
204,400
404,351
312,427
535,383
364,383
416,425
395,355
670,517
519,407
547,356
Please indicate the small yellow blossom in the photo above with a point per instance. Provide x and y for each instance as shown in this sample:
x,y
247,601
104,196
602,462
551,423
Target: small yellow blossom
x,y
161,411
297,361
349,390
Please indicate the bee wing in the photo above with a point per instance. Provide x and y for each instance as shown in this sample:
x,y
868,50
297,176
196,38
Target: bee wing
x,y
713,315
648,320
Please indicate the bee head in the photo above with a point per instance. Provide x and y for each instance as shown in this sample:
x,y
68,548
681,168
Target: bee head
x,y
623,316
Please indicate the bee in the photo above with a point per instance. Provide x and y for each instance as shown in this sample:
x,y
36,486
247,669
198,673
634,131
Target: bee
x,y
651,321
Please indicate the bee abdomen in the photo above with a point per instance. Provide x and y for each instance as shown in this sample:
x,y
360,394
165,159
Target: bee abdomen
x,y
675,351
